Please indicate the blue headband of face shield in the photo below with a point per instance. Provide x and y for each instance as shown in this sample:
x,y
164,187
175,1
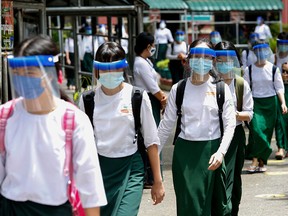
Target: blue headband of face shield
x,y
225,53
31,61
202,50
214,34
110,65
260,46
282,42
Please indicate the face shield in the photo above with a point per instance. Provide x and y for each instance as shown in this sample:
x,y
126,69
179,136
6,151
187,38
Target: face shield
x,y
35,79
112,74
262,52
253,39
215,37
226,63
179,36
201,62
282,48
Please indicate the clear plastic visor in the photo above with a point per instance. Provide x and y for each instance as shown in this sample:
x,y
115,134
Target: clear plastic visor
x,y
215,38
262,52
34,78
200,62
227,63
282,48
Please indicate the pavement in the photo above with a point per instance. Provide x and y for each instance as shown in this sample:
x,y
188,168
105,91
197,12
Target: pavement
x,y
264,194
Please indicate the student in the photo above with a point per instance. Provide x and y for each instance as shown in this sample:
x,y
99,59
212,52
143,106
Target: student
x,y
227,62
248,57
281,61
215,37
120,161
69,57
263,30
176,52
32,175
145,77
198,152
266,86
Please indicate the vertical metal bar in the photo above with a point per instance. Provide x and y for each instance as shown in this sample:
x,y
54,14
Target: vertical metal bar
x,y
43,19
139,18
20,25
109,23
186,26
237,31
5,79
76,52
280,21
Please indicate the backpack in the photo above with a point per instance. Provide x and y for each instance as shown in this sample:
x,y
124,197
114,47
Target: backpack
x,y
274,68
68,126
220,96
136,99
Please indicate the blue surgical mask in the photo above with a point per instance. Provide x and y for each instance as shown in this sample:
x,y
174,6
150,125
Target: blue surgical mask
x,y
224,67
28,87
283,48
200,65
215,40
111,80
180,37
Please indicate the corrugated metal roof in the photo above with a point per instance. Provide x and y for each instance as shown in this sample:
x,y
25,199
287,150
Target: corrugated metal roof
x,y
167,4
238,5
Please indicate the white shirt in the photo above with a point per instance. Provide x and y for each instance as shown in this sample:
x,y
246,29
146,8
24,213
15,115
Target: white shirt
x,y
263,31
69,45
145,76
114,126
248,103
35,155
86,45
177,49
163,36
262,82
200,119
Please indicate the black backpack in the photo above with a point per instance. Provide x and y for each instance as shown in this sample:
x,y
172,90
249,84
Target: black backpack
x,y
136,99
220,96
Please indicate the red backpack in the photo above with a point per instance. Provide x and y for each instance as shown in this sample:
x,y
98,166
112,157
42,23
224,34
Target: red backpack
x,y
68,127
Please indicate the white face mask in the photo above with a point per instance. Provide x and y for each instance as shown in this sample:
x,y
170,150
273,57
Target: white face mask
x,y
162,25
152,51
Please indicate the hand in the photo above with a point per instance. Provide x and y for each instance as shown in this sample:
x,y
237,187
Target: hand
x,y
68,61
215,161
181,56
157,192
163,102
284,108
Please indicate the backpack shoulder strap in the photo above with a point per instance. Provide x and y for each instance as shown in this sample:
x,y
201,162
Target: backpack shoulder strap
x,y
172,48
136,99
5,113
274,68
220,96
68,127
179,100
250,76
247,53
88,99
239,90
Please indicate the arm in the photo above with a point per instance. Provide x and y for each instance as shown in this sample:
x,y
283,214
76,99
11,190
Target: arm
x,y
282,102
169,54
161,96
247,107
67,51
92,211
279,87
229,123
244,58
157,191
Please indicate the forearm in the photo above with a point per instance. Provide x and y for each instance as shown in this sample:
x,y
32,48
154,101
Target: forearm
x,y
92,211
281,97
154,162
160,95
242,116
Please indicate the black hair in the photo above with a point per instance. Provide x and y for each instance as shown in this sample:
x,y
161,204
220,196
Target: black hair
x,y
142,41
283,36
109,52
227,45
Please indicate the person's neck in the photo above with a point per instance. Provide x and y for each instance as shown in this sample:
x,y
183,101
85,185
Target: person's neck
x,y
112,91
260,64
195,81
41,105
144,55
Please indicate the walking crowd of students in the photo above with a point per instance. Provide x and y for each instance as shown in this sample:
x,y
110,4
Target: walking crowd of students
x,y
212,98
